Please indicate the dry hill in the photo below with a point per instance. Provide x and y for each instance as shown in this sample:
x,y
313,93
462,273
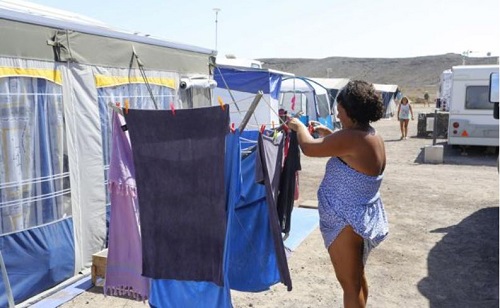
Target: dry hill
x,y
413,75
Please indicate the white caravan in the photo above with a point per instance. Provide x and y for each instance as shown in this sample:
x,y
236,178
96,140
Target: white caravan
x,y
471,120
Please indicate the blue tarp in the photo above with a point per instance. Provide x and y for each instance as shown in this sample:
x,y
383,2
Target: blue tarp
x,y
37,259
249,80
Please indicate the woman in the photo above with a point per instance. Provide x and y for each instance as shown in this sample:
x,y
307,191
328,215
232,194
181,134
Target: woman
x,y
405,113
352,216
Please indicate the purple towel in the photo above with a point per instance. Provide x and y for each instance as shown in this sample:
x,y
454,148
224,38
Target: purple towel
x,y
179,164
124,262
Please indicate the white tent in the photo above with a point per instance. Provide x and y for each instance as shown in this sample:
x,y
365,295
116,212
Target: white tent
x,y
388,92
301,94
58,72
333,85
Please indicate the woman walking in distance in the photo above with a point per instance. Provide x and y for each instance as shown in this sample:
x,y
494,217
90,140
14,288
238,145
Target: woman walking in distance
x,y
405,113
352,215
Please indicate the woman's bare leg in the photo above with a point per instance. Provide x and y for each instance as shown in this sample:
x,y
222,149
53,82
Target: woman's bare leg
x,y
406,128
364,286
401,126
346,254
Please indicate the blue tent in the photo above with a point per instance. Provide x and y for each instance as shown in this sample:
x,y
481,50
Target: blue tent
x,y
238,86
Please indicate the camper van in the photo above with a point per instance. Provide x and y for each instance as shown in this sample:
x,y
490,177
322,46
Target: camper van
x,y
232,60
471,120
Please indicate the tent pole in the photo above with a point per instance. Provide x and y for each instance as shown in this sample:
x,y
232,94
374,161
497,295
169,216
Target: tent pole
x,y
250,111
6,283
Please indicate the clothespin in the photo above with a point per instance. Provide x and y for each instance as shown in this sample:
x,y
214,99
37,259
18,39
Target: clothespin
x,y
221,103
285,128
116,107
272,124
172,107
232,128
262,128
293,102
310,129
126,106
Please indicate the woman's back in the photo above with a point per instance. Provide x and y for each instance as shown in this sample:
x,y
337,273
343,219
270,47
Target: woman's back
x,y
367,153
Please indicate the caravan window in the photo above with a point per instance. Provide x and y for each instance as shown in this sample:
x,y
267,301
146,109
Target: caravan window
x,y
476,97
34,178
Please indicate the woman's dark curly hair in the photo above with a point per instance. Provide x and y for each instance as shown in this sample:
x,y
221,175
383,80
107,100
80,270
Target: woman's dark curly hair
x,y
361,102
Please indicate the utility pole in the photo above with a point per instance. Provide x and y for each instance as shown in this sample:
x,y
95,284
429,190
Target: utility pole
x,y
465,54
216,10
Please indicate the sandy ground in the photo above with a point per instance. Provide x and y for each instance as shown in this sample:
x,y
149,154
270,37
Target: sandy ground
x,y
442,249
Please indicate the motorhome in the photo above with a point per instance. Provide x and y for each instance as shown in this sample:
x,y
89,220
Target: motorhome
x,y
471,120
232,60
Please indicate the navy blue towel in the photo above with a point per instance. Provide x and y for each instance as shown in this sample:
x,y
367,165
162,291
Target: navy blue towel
x,y
179,165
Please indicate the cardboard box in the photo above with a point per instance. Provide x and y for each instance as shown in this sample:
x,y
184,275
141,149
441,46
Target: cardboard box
x,y
99,261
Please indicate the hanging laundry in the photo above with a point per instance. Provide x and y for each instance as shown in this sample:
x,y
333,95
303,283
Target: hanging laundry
x,y
253,263
268,170
176,293
124,260
288,183
179,165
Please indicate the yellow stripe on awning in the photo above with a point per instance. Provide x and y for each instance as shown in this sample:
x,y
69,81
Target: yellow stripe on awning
x,y
48,74
103,81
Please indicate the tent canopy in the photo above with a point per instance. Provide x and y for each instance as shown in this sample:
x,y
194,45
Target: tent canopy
x,y
238,86
41,33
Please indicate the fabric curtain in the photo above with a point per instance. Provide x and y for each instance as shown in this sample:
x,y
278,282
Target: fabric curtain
x,y
121,86
34,180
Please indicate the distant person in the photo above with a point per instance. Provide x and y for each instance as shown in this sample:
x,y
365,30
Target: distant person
x,y
351,213
283,114
426,100
405,113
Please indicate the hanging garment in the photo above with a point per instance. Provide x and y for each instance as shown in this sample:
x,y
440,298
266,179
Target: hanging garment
x,y
288,183
268,170
252,260
175,293
124,260
179,165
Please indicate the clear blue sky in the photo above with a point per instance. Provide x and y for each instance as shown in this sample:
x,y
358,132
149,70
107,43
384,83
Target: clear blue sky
x,y
308,29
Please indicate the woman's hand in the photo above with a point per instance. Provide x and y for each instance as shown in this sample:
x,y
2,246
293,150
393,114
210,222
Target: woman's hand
x,y
321,129
295,124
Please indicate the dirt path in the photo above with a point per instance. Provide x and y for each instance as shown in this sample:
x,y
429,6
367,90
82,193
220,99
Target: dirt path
x,y
442,250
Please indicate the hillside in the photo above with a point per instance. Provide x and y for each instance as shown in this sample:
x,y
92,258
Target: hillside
x,y
413,75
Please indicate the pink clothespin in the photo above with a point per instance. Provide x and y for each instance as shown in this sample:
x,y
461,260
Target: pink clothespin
x,y
232,128
262,128
172,107
293,103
